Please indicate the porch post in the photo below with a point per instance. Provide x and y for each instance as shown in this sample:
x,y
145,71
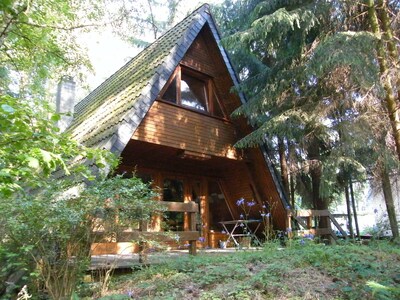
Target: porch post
x,y
156,220
204,212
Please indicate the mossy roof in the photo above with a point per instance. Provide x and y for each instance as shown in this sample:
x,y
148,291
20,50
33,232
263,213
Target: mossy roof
x,y
109,115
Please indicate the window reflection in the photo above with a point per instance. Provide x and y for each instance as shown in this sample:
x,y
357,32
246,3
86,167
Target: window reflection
x,y
170,93
193,93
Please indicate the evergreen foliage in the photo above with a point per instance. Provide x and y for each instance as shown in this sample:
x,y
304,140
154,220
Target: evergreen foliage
x,y
310,72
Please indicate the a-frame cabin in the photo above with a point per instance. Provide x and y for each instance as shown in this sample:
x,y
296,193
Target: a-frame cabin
x,y
167,114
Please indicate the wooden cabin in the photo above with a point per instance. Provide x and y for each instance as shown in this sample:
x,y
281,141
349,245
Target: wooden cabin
x,y
167,113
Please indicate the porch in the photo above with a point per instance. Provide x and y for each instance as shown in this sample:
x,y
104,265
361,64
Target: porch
x,y
138,244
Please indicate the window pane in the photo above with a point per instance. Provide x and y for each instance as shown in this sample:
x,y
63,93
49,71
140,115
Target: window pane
x,y
193,93
219,210
170,93
217,109
173,191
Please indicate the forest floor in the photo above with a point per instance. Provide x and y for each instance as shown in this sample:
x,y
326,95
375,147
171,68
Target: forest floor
x,y
301,270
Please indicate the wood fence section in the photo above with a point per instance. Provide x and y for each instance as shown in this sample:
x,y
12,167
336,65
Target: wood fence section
x,y
143,234
305,219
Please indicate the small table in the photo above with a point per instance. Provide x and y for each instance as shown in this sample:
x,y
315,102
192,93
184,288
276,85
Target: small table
x,y
240,228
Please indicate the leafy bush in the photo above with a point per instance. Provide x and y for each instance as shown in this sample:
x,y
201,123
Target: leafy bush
x,y
46,224
56,232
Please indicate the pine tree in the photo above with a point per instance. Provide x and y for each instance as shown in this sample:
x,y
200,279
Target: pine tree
x,y
311,78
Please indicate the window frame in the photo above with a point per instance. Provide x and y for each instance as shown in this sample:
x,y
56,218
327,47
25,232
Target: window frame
x,y
209,86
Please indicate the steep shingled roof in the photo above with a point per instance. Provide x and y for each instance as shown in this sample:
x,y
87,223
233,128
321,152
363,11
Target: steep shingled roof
x,y
109,115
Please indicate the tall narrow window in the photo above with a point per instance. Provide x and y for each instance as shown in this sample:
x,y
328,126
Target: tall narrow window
x,y
170,94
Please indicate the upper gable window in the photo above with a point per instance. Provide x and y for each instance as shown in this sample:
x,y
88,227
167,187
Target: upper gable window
x,y
193,93
192,90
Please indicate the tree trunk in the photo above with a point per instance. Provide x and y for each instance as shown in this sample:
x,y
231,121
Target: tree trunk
x,y
349,217
383,14
284,166
292,168
316,174
390,99
353,202
315,167
387,192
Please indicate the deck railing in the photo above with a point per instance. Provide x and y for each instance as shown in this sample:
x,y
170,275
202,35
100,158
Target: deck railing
x,y
143,233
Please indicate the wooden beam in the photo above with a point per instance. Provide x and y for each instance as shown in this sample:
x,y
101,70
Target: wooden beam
x,y
130,236
181,206
313,213
332,218
301,222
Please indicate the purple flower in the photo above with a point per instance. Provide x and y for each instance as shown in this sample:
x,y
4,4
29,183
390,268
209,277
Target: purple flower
x,y
268,215
375,210
302,242
241,216
288,207
186,245
130,293
264,206
309,236
263,215
288,230
240,202
202,239
223,231
251,203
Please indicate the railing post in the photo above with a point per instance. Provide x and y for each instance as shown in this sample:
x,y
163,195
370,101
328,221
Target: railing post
x,y
193,244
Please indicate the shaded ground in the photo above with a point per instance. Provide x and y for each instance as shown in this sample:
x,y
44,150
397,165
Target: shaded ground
x,y
348,271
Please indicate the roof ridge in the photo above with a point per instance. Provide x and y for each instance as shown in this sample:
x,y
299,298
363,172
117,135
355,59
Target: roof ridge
x,y
134,84
82,102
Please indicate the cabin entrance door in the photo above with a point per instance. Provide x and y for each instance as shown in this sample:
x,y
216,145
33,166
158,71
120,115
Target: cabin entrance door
x,y
213,206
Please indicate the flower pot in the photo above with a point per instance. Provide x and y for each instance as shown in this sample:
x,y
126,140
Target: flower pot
x,y
222,244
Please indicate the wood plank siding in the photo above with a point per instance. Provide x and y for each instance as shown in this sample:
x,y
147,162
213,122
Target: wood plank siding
x,y
169,125
204,56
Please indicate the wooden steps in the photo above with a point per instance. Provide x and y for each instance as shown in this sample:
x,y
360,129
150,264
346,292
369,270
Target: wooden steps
x,y
306,218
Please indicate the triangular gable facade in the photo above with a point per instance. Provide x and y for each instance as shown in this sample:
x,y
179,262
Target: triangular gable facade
x,y
167,114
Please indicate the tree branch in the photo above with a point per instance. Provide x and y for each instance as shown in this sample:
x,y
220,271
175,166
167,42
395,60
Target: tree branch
x,y
3,34
61,27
